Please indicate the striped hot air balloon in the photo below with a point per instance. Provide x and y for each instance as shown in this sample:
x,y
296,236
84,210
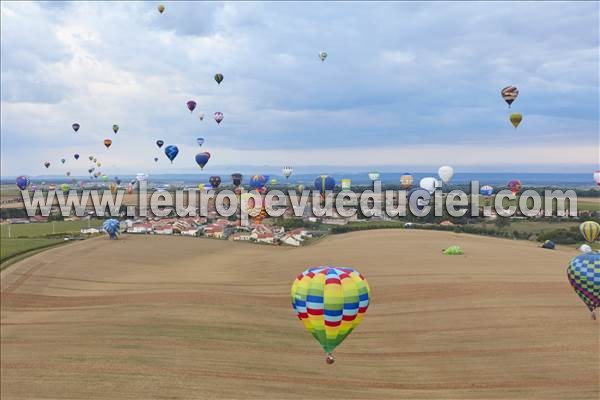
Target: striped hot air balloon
x,y
406,181
331,302
590,230
584,275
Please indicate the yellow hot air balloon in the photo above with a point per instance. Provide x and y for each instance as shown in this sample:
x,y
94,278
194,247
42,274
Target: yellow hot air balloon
x,y
515,119
331,302
590,230
161,8
201,186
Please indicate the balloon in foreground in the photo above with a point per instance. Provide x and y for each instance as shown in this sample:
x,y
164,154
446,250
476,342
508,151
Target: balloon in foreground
x,y
331,302
75,126
515,119
200,141
549,244
107,143
514,186
46,164
324,183
111,227
446,173
584,275
115,128
597,177
202,159
486,191
171,152
406,181
219,78
509,94
159,143
429,184
287,171
215,181
161,8
218,117
590,230
236,178
374,175
22,182
323,55
76,156
191,105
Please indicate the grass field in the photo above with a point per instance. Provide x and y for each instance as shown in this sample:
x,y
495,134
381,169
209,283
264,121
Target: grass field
x,y
11,247
46,228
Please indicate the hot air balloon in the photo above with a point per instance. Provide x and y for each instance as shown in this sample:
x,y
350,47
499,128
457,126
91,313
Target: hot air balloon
x,y
202,159
161,8
22,182
201,186
141,177
155,159
215,181
191,105
111,227
65,187
62,160
115,128
68,173
91,170
585,248
346,184
514,186
515,119
117,180
429,184
76,156
218,117
105,178
597,177
509,94
75,126
200,141
324,183
331,302
323,55
129,188
374,176
273,181
549,245
583,272
237,179
46,164
171,152
486,191
446,173
406,181
95,159
98,164
159,143
107,143
90,158
257,181
300,188
219,78
590,230
201,116
287,172
453,251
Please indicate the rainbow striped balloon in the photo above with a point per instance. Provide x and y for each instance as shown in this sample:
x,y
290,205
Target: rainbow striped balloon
x,y
331,302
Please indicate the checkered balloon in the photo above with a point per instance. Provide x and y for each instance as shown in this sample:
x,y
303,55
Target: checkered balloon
x,y
584,275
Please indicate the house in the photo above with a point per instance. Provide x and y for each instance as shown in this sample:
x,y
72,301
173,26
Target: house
x,y
290,240
38,218
139,227
163,230
213,231
189,232
89,231
446,223
265,238
240,236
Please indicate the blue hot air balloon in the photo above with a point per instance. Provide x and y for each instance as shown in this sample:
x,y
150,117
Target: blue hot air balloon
x,y
76,156
257,181
160,143
486,191
171,152
22,182
111,227
202,159
324,183
200,141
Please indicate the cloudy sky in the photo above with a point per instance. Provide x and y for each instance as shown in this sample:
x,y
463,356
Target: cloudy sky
x,y
406,85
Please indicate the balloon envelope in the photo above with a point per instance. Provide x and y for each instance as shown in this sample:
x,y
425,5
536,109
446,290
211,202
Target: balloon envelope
x,y
215,181
514,186
76,156
287,171
324,183
171,152
429,184
218,117
374,175
161,8
597,178
75,126
257,181
583,272
22,182
160,143
191,105
219,78
115,128
200,141
486,191
202,159
46,164
509,94
111,227
107,143
323,55
446,173
406,181
590,230
237,178
515,119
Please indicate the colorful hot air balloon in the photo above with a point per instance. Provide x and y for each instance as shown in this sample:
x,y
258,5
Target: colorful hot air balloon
x,y
514,186
200,141
236,178
597,177
171,152
75,126
219,78
509,94
331,302
76,156
62,160
486,191
590,231
218,117
191,105
346,184
323,55
583,273
374,176
406,181
287,171
111,227
22,182
159,143
324,183
202,159
161,8
65,187
215,181
515,119
115,128
107,143
446,173
257,181
46,164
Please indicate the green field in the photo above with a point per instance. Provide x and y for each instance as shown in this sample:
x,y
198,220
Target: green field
x,y
46,228
12,247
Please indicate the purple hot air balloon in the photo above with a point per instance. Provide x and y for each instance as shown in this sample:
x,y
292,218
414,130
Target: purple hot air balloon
x,y
75,127
22,182
191,105
218,117
76,156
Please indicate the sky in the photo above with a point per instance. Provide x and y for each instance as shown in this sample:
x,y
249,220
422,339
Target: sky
x,y
405,86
